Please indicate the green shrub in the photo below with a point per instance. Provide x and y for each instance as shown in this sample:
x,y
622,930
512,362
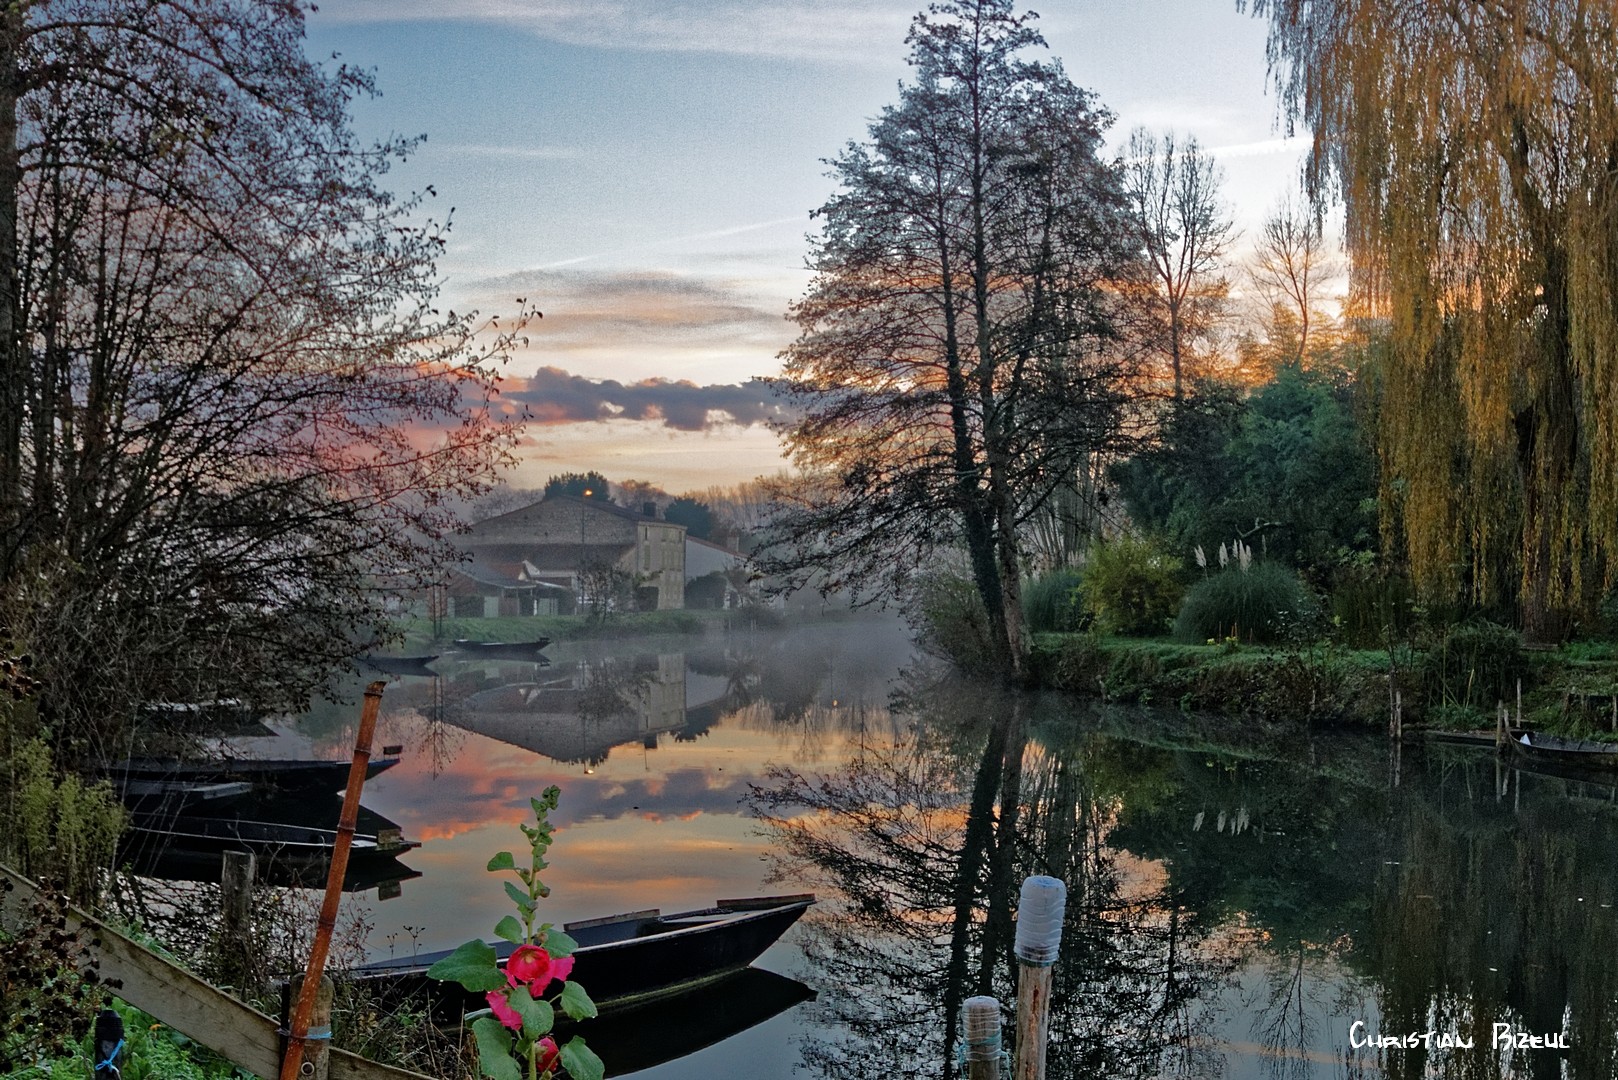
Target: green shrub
x,y
1476,663
1132,587
1054,602
1259,604
951,622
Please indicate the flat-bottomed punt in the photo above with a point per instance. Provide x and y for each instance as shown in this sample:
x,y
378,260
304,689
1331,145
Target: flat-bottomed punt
x,y
622,959
1583,755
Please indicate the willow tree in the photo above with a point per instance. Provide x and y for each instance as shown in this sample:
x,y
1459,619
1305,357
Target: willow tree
x,y
1473,144
952,368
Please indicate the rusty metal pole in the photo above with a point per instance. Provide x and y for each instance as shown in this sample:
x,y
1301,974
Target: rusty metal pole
x,y
292,1063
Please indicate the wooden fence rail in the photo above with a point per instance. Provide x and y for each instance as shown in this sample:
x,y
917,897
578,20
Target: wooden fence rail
x,y
179,999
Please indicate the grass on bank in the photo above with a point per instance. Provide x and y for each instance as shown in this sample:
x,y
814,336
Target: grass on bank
x,y
152,1051
1454,685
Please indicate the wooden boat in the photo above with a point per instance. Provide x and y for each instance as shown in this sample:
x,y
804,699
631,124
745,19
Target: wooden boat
x,y
292,844
1555,752
401,665
622,960
263,774
504,650
175,796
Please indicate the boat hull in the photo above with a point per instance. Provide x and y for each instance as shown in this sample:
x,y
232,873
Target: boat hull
x,y
621,962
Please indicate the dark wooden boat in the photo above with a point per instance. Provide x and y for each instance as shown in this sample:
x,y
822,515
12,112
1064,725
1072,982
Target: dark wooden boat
x,y
622,959
170,862
175,796
1559,753
401,665
289,844
504,650
263,774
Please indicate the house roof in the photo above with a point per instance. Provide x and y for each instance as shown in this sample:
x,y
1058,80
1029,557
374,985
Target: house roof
x,y
710,544
594,504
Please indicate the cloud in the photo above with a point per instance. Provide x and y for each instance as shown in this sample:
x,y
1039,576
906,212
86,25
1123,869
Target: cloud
x,y
834,31
553,396
646,322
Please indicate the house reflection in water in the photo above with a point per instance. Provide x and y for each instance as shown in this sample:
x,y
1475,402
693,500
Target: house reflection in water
x,y
578,714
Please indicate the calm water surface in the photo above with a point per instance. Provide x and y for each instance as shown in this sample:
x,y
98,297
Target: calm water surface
x,y
1238,899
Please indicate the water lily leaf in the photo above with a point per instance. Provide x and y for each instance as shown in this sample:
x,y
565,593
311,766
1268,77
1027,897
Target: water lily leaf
x,y
510,930
494,1050
559,944
538,1017
575,1002
502,861
520,898
472,965
580,1061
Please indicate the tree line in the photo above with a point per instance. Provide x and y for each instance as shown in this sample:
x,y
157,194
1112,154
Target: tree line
x,y
1008,335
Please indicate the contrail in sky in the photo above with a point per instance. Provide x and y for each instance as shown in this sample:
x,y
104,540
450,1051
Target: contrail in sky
x,y
714,235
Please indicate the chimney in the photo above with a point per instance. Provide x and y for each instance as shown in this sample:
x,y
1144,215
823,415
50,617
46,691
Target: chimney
x,y
649,509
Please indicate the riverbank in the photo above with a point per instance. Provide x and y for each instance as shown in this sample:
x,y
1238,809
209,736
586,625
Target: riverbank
x,y
1571,690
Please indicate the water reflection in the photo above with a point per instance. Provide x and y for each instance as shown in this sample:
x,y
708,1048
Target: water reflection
x,y
1238,897
924,840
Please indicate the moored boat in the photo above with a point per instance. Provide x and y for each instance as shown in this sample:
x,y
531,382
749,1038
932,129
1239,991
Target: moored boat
x,y
621,960
1556,752
263,774
504,650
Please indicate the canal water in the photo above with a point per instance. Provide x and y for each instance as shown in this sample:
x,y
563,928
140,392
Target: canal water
x,y
1243,902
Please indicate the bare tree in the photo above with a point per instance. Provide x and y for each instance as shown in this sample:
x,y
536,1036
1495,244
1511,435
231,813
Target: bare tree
x,y
232,414
1186,231
1291,269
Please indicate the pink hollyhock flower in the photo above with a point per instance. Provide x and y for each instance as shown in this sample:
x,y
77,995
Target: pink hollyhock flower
x,y
548,1053
503,1011
529,964
561,969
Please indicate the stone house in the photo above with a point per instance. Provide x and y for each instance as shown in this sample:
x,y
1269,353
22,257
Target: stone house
x,y
550,545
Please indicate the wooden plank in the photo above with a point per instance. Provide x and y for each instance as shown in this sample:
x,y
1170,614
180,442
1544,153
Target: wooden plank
x,y
181,1000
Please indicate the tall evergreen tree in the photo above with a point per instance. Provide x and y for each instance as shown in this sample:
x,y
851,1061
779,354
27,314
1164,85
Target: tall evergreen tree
x,y
953,366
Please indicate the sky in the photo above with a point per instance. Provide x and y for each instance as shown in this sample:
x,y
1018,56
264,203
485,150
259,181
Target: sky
x,y
644,171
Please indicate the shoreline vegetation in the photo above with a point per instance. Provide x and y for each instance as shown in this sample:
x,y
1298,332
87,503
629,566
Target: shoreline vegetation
x,y
1570,690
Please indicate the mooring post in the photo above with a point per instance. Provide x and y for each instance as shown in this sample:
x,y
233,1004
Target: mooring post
x,y
109,1043
1500,726
303,1003
980,1034
1519,703
1039,937
236,874
316,1046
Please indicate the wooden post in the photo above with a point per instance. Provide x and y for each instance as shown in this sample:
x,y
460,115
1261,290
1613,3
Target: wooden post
x,y
298,1025
236,944
1039,936
1500,726
1519,704
980,1033
1398,715
317,1042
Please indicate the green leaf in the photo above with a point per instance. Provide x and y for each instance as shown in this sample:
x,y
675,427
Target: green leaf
x,y
509,929
520,898
538,1017
472,965
502,861
575,1002
494,1050
559,944
581,1062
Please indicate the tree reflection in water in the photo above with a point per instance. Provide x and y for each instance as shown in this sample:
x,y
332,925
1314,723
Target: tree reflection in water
x,y
922,841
